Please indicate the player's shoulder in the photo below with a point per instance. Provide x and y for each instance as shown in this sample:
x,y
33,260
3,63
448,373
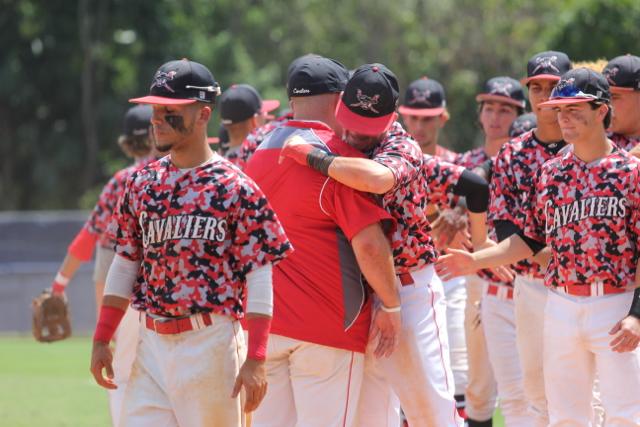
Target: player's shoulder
x,y
398,140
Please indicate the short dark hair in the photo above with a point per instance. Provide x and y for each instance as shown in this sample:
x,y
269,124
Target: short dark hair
x,y
607,119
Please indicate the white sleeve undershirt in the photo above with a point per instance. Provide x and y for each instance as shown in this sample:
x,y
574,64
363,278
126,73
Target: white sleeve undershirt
x,y
260,291
121,277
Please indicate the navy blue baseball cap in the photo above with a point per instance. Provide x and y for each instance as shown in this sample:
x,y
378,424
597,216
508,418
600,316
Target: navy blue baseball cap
x,y
623,73
137,121
580,85
549,65
241,102
503,89
424,97
369,102
312,75
181,82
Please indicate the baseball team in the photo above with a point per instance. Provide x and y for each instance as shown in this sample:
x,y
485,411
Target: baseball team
x,y
334,267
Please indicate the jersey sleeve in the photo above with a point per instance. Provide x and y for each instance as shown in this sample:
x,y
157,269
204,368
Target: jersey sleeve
x,y
441,179
125,226
534,227
353,210
401,154
258,238
503,204
103,210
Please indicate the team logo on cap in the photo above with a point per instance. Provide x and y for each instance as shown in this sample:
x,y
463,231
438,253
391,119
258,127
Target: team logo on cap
x,y
565,83
546,63
610,74
421,96
162,78
366,102
502,88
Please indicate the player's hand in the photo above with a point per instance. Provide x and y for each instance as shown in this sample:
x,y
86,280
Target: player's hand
x,y
297,149
102,358
253,377
627,335
455,263
449,223
386,328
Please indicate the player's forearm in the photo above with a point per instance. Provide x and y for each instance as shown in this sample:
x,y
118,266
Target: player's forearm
x,y
478,229
362,174
375,259
507,252
259,310
68,269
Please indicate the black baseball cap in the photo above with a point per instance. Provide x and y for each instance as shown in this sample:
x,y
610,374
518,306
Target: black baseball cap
x,y
312,75
580,85
503,89
369,102
181,82
523,123
241,102
137,121
623,73
548,65
424,97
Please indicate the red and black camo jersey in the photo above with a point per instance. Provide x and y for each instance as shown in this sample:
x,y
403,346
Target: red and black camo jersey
x,y
98,222
589,215
255,138
514,171
412,245
472,159
198,233
446,155
624,142
441,178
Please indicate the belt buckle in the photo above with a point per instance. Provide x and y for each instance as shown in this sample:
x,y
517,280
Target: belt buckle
x,y
159,320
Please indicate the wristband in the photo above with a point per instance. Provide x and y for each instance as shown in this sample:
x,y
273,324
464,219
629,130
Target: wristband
x,y
396,309
258,328
320,160
82,246
59,283
635,305
108,322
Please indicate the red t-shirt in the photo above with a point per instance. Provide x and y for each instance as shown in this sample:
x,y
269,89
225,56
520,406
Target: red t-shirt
x,y
319,295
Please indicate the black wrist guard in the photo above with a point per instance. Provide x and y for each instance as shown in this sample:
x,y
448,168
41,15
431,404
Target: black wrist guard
x,y
320,160
635,305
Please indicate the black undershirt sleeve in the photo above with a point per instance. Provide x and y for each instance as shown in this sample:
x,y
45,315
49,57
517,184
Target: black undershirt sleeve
x,y
505,229
474,189
635,305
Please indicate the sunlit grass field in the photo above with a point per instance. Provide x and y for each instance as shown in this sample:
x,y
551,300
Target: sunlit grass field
x,y
50,385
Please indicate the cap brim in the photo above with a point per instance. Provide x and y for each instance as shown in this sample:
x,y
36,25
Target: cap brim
x,y
525,81
161,100
620,89
487,97
363,125
420,112
213,140
269,105
565,101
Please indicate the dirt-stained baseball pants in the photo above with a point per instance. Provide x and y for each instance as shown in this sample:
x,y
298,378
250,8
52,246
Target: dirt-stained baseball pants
x,y
186,379
576,346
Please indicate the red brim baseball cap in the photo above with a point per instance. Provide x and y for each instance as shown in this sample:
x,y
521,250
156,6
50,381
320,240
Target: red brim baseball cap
x,y
213,140
565,101
487,97
421,112
269,105
526,80
161,100
620,89
363,125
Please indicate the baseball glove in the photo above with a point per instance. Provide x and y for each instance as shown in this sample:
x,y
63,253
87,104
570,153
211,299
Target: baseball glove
x,y
51,321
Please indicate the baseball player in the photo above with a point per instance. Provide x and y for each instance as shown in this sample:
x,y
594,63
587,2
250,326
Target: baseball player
x,y
623,75
242,111
418,373
194,235
513,174
584,206
424,114
322,316
255,138
523,123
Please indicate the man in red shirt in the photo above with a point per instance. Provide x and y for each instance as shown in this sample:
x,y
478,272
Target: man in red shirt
x,y
322,310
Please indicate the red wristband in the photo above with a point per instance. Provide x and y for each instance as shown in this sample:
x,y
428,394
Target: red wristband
x,y
59,284
82,246
108,322
258,328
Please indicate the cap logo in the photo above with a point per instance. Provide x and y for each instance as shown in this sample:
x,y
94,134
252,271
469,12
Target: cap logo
x,y
502,88
162,78
565,83
297,91
366,102
611,73
421,96
546,63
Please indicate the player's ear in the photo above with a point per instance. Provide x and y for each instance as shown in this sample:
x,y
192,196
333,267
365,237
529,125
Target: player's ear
x,y
204,114
444,118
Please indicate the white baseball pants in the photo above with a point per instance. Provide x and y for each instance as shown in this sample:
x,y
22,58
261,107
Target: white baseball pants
x,y
576,346
498,317
530,298
186,379
481,392
310,385
455,295
419,371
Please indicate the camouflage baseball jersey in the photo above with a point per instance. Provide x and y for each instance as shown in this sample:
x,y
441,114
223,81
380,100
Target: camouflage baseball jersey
x,y
255,138
198,233
472,159
589,214
441,178
412,245
511,185
98,222
232,154
446,155
624,142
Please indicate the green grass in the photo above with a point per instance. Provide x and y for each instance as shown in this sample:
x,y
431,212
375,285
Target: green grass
x,y
50,385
